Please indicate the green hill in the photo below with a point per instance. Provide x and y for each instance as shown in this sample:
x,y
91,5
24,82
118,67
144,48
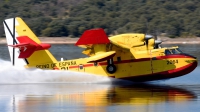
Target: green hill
x,y
71,17
37,13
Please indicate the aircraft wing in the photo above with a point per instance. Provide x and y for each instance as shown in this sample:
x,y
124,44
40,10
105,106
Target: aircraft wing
x,y
120,44
101,57
128,40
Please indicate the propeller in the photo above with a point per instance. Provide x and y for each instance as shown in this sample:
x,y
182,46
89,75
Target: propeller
x,y
157,42
148,37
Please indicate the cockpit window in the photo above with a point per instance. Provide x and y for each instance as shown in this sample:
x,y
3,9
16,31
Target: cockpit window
x,y
179,50
174,51
167,52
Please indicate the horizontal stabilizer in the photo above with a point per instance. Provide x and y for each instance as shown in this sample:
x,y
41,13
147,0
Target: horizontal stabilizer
x,y
101,57
26,49
20,45
27,46
27,53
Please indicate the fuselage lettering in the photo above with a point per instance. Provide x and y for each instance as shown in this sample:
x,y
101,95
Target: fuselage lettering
x,y
67,63
42,66
53,65
172,62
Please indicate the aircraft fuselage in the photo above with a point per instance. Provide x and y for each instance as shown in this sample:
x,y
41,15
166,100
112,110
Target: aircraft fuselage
x,y
151,67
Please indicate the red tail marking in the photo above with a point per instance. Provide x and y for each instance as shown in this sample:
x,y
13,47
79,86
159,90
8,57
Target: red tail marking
x,y
27,46
93,36
26,39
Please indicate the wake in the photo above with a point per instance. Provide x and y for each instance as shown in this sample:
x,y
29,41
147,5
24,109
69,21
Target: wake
x,y
18,75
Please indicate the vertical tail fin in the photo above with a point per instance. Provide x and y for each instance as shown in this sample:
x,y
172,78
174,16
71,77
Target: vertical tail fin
x,y
19,38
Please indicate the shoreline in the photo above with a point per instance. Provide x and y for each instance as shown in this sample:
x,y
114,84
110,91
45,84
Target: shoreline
x,y
67,40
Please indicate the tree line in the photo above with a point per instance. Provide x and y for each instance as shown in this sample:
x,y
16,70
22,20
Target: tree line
x,y
57,18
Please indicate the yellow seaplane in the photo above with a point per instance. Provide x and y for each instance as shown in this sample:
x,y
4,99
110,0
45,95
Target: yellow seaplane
x,y
131,56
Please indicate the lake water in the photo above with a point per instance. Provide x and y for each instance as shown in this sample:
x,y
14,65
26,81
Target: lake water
x,y
36,90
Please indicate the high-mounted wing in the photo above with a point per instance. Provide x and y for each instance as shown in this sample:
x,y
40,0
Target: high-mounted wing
x,y
128,40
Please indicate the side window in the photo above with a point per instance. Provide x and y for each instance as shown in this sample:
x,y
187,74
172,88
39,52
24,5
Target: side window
x,y
167,52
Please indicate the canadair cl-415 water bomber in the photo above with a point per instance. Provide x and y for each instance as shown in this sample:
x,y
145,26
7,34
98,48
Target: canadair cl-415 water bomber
x,y
130,56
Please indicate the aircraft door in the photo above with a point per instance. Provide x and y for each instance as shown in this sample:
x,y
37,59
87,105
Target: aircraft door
x,y
157,64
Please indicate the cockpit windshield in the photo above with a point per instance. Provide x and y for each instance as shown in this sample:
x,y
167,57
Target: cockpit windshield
x,y
172,51
179,50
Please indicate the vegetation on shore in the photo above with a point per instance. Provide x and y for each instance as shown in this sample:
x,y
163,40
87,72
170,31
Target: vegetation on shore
x,y
54,18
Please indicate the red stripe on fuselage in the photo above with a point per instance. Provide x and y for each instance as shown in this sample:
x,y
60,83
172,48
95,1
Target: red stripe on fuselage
x,y
173,56
76,66
135,60
88,65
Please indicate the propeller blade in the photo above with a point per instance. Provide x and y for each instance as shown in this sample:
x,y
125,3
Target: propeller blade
x,y
158,41
147,37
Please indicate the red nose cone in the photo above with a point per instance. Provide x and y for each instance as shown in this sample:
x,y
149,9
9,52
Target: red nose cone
x,y
45,46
